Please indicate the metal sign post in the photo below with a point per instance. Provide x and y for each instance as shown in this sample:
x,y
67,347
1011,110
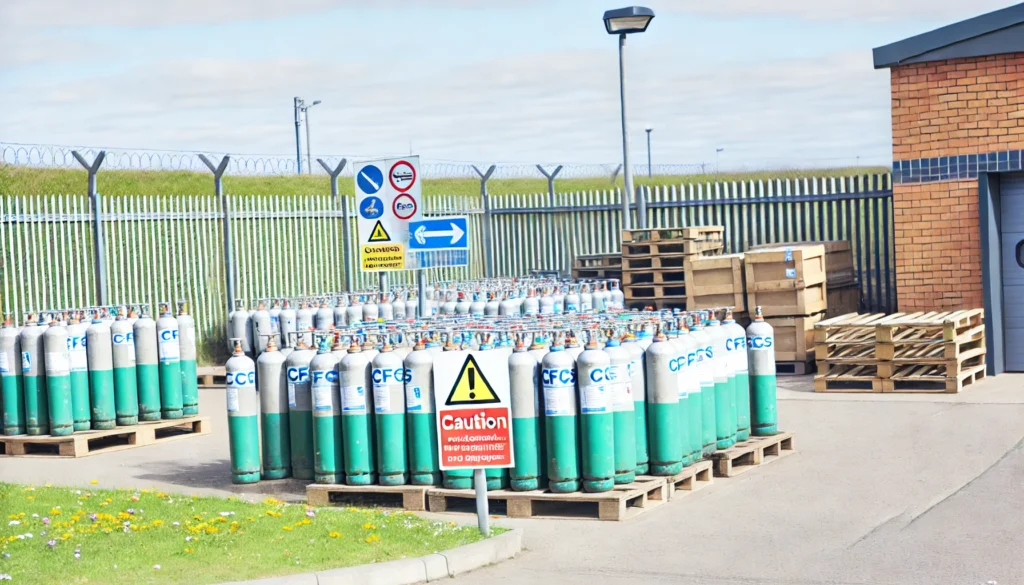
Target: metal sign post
x,y
99,244
486,199
343,205
218,187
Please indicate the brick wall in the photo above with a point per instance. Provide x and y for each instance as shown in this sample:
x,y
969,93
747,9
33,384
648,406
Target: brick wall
x,y
943,109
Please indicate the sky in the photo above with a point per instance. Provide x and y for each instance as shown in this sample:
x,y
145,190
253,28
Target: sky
x,y
785,83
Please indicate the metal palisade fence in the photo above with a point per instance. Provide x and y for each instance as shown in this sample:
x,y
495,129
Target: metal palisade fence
x,y
164,248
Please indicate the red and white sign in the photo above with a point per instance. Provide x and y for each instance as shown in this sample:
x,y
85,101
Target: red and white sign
x,y
402,176
404,206
474,415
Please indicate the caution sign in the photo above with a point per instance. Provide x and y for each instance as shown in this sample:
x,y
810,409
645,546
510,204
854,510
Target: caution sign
x,y
375,258
475,420
379,234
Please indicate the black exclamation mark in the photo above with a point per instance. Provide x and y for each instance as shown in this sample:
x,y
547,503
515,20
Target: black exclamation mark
x,y
472,383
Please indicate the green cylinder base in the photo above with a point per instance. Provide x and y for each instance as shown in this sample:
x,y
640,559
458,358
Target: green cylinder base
x,y
725,414
640,428
396,479
624,446
126,397
425,478
562,453
696,429
300,430
723,444
361,479
189,388
277,456
564,487
244,448
528,455
497,479
101,398
328,461
276,473
598,435
663,470
329,478
37,406
149,391
304,473
598,486
58,389
126,421
755,402
524,485
358,444
664,446
12,397
624,478
642,469
81,405
391,450
423,459
458,480
170,390
240,478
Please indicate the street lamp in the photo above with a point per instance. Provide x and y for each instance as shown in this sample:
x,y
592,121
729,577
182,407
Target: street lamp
x,y
622,22
309,153
718,151
650,173
297,105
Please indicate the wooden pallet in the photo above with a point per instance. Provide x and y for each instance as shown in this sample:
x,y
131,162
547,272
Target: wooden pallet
x,y
691,479
409,497
654,291
654,276
921,379
86,443
598,261
597,273
743,457
847,378
663,262
664,247
917,358
794,368
695,233
211,375
910,328
658,303
622,503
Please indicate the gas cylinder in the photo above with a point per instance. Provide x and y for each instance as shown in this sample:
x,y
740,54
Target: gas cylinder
x,y
101,375
620,388
497,478
638,386
287,324
586,299
399,306
324,317
187,344
354,312
688,387
492,306
527,424
388,375
169,348
761,352
261,328
558,296
126,388
476,308
146,367
240,327
463,304
371,312
601,297
706,371
271,384
644,339
508,306
660,367
573,347
547,303
305,321
328,458
33,378
434,346
58,379
243,416
572,301
558,380
736,354
300,411
356,414
420,417
457,478
386,308
616,299
12,390
538,349
725,386
81,409
531,305
275,319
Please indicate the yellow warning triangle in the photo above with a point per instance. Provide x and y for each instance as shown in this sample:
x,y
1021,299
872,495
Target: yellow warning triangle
x,y
379,234
471,387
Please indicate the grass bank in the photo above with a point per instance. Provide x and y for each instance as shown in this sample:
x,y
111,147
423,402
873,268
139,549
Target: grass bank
x,y
124,537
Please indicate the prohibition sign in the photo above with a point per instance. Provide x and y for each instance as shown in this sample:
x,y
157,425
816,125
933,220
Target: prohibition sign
x,y
402,173
404,206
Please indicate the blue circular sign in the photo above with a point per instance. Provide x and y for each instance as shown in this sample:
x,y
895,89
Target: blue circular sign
x,y
370,179
371,208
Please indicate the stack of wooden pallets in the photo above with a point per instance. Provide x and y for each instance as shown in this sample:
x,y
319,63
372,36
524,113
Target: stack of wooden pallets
x,y
599,266
915,352
654,263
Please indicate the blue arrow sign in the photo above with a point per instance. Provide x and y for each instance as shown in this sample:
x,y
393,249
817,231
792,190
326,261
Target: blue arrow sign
x,y
439,233
369,179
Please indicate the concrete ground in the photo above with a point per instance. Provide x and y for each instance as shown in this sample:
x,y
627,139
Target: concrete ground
x,y
885,489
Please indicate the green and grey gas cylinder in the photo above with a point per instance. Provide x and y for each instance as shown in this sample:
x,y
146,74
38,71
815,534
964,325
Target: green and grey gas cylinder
x,y
187,344
169,370
324,317
665,448
240,327
725,386
388,375
328,452
300,410
497,478
638,386
78,357
688,388
761,351
528,448
620,387
243,406
101,375
736,355
126,388
271,384
558,379
706,372
356,414
58,379
420,417
12,390
457,479
597,432
33,378
287,325
147,362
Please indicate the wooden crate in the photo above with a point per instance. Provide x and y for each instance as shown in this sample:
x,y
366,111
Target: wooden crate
x,y
409,497
787,281
716,281
621,503
787,301
842,300
86,443
744,456
839,268
794,337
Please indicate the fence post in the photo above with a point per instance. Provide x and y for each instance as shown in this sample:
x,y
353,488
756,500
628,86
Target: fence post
x,y
343,204
615,173
488,248
641,206
549,222
99,251
218,187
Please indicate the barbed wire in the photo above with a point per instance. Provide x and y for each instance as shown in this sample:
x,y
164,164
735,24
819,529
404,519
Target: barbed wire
x,y
60,156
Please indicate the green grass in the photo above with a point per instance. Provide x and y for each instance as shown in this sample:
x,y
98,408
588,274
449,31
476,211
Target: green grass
x,y
141,536
35,181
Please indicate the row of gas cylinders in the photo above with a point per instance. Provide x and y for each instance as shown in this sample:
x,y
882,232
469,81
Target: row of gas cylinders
x,y
281,319
643,400
82,372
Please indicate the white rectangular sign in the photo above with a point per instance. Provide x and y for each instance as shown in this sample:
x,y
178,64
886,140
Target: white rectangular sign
x,y
388,197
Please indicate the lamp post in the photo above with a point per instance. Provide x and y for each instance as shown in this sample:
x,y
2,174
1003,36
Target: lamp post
x,y
718,151
297,105
650,173
309,153
622,22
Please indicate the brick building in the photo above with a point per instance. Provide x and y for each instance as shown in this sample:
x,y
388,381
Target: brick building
x,y
958,189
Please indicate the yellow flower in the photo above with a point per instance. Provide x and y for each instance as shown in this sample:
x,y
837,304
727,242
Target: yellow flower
x,y
30,498
65,536
222,520
190,550
272,502
197,517
334,534
161,495
369,526
305,521
158,523
212,530
298,524
372,539
286,528
94,482
108,500
145,491
75,518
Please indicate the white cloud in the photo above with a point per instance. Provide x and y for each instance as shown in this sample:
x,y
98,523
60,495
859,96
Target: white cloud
x,y
837,10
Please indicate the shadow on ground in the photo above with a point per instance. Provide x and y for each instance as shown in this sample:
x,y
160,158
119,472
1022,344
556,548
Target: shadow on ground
x,y
216,474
